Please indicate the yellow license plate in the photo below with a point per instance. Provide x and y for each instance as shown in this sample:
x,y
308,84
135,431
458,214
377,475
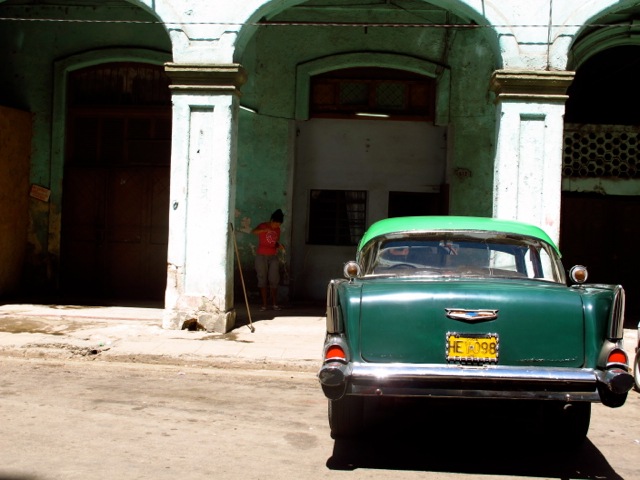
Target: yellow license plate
x,y
472,347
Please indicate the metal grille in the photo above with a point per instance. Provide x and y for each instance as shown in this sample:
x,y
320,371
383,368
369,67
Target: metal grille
x,y
119,84
352,93
601,151
337,217
390,95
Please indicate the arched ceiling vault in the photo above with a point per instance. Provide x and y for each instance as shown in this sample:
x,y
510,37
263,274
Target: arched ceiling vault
x,y
609,29
365,14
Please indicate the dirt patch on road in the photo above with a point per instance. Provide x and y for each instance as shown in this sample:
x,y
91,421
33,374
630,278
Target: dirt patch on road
x,y
34,325
66,351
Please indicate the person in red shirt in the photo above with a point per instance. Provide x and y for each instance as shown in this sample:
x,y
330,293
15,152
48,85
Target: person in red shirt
x,y
267,263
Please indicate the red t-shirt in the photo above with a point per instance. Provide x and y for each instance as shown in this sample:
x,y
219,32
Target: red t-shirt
x,y
268,240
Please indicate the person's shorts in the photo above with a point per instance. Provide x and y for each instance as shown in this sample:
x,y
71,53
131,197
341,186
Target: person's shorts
x,y
268,270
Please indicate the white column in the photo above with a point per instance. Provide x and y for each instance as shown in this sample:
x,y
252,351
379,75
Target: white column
x,y
528,164
202,197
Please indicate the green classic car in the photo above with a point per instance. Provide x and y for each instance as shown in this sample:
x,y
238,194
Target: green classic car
x,y
471,308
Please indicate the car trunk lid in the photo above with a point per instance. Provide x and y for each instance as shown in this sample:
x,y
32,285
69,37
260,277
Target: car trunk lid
x,y
410,321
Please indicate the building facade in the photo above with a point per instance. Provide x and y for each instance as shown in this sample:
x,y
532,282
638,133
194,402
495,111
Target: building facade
x,y
162,132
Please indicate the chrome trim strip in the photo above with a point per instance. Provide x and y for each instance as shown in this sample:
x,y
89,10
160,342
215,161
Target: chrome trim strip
x,y
334,317
411,372
616,316
461,381
568,396
563,384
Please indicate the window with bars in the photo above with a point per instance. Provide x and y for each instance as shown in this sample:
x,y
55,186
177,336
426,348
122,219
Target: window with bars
x,y
607,151
337,217
119,83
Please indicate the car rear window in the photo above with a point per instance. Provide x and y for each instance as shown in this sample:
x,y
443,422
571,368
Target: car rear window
x,y
462,254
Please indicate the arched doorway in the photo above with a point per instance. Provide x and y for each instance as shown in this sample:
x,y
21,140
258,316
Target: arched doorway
x,y
601,171
330,161
116,183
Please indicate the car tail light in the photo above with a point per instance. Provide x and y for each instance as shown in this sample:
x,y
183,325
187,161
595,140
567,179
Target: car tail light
x,y
617,356
335,352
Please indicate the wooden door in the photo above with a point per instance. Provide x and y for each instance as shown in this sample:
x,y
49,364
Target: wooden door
x,y
115,206
115,233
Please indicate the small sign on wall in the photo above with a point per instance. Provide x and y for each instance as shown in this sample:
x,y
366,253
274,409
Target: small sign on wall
x,y
40,193
462,173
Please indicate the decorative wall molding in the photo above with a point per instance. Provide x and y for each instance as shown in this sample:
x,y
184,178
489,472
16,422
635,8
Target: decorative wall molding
x,y
539,86
210,78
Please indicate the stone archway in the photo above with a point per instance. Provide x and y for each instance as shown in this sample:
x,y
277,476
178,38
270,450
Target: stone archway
x,y
318,38
601,169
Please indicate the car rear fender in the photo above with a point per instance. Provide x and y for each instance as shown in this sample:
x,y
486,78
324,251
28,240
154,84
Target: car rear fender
x,y
604,320
335,323
343,307
613,372
616,315
606,303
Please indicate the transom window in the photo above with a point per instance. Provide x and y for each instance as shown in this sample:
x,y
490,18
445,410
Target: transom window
x,y
119,114
366,92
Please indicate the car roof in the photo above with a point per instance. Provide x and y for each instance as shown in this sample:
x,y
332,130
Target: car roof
x,y
454,223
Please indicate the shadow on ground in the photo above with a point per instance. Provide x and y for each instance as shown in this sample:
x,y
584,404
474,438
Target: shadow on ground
x,y
307,309
482,439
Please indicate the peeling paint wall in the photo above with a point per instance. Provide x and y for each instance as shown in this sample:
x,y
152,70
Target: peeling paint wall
x,y
510,34
472,119
265,156
15,155
268,151
26,82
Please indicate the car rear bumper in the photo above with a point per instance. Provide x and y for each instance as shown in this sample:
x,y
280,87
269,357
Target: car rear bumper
x,y
462,381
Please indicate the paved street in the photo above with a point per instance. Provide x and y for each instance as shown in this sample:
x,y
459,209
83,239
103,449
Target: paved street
x,y
82,418
115,396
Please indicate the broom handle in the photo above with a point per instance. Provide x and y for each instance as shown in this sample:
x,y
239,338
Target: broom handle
x,y
244,290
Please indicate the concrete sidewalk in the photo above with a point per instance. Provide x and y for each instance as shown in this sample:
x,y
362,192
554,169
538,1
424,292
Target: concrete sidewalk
x,y
289,338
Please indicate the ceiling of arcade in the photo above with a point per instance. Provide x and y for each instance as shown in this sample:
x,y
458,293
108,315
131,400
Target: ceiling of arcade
x,y
613,29
413,17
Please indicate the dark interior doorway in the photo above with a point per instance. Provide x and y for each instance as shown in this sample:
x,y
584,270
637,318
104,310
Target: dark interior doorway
x,y
402,204
605,241
605,89
116,184
598,229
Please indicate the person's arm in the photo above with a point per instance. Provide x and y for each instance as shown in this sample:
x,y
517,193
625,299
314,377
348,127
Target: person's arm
x,y
260,229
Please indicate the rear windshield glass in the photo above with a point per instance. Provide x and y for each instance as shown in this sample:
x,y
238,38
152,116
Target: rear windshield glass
x,y
462,254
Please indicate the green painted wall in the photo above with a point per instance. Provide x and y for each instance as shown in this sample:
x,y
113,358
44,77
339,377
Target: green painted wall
x,y
264,166
267,139
29,52
473,122
265,142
